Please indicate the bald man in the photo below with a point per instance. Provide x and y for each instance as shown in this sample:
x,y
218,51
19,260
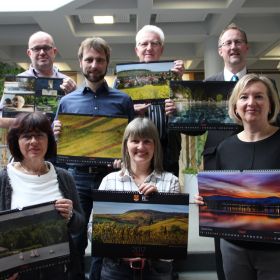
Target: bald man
x,y
42,52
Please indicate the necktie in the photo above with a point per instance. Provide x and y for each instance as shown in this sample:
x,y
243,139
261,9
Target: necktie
x,y
234,78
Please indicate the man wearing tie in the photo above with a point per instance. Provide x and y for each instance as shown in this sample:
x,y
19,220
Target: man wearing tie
x,y
233,48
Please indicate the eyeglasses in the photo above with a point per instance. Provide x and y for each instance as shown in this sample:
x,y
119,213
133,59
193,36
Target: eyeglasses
x,y
29,136
237,42
153,44
45,48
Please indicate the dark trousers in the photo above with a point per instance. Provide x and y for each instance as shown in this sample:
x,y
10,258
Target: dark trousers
x,y
219,259
85,183
116,269
95,268
214,138
171,148
210,164
249,264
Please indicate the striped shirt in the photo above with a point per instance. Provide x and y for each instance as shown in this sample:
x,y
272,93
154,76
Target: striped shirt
x,y
157,115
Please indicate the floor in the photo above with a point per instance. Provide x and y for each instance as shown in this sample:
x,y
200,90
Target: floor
x,y
208,275
196,276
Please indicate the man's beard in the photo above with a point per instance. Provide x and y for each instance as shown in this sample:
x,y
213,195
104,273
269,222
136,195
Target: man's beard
x,y
95,78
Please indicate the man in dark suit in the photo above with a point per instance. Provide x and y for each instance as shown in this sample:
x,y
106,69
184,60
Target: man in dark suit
x,y
233,48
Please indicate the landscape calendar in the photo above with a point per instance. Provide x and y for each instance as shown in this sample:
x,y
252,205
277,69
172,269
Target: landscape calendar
x,y
201,105
240,205
90,140
18,96
32,238
129,224
145,82
29,94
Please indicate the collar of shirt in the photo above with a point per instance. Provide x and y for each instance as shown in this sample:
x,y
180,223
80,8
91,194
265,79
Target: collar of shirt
x,y
104,88
228,75
127,177
36,73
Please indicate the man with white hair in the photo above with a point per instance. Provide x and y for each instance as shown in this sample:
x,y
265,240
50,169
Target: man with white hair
x,y
149,47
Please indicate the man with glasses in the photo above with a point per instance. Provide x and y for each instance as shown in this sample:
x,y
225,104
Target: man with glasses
x,y
233,48
42,51
149,47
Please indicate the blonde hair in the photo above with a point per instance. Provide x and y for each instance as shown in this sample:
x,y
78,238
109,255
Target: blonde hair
x,y
142,128
242,84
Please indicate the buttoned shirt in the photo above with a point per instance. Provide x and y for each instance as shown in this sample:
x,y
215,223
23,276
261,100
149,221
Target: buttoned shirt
x,y
104,102
228,75
123,181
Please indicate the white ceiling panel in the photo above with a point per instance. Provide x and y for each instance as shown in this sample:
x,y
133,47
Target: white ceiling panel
x,y
187,25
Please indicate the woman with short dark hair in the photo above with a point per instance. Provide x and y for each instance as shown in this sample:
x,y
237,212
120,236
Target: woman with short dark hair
x,y
30,179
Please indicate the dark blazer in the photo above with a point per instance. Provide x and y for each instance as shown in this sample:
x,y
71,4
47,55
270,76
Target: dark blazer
x,y
214,137
216,77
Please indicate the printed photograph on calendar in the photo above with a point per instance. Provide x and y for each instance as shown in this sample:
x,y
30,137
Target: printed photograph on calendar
x,y
32,238
92,140
128,224
18,95
47,104
145,82
49,87
240,205
48,94
201,105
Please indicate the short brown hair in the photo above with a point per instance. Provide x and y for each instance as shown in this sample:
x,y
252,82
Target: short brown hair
x,y
242,84
234,27
27,122
142,128
97,44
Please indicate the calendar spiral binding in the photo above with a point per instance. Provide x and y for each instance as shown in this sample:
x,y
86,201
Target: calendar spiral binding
x,y
35,266
241,171
132,196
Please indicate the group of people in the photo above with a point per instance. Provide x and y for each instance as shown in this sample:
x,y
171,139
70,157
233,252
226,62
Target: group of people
x,y
150,152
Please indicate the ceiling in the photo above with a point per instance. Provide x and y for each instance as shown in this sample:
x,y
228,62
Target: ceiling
x,y
187,25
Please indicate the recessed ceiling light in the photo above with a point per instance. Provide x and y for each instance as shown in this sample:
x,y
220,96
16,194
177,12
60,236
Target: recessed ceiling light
x,y
32,5
103,19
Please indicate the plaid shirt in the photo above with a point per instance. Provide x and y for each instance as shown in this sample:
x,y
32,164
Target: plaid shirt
x,y
116,181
